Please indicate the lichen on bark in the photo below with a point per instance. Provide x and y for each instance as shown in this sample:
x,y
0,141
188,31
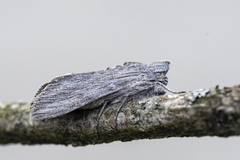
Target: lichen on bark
x,y
204,112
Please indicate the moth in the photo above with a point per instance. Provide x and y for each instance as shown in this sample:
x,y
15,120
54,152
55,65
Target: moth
x,y
97,89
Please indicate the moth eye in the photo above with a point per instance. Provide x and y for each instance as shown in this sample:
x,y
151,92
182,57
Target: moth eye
x,y
143,75
108,68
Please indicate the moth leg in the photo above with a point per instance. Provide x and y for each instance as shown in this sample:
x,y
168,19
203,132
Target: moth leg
x,y
118,110
99,115
169,90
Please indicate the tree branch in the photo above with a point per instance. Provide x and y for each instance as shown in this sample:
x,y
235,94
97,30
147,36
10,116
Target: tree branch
x,y
214,112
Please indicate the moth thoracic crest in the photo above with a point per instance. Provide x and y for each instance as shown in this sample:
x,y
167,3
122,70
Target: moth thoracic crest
x,y
130,81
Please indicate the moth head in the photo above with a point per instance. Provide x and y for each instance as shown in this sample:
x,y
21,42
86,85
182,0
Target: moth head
x,y
159,70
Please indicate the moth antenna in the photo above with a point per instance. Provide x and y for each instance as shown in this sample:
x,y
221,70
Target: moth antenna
x,y
118,110
99,115
169,90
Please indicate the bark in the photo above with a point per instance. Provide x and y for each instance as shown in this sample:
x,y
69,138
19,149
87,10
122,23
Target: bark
x,y
209,112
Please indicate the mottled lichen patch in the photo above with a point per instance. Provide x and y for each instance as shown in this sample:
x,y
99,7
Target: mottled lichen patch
x,y
198,94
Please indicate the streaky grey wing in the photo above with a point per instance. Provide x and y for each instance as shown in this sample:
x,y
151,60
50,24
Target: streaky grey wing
x,y
71,78
63,96
80,77
58,89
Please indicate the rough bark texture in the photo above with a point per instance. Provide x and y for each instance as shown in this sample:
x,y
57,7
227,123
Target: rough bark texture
x,y
214,112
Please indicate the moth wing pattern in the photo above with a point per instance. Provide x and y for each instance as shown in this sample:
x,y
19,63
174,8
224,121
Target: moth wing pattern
x,y
69,92
54,91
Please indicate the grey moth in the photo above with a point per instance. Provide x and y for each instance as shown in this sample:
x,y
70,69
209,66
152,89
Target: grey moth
x,y
132,80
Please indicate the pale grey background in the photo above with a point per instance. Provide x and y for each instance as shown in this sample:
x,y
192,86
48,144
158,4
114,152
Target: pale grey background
x,y
43,39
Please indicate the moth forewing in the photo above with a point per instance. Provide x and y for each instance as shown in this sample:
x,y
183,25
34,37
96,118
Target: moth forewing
x,y
95,89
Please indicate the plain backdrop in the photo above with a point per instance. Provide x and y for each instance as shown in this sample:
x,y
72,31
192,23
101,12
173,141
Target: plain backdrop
x,y
42,39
